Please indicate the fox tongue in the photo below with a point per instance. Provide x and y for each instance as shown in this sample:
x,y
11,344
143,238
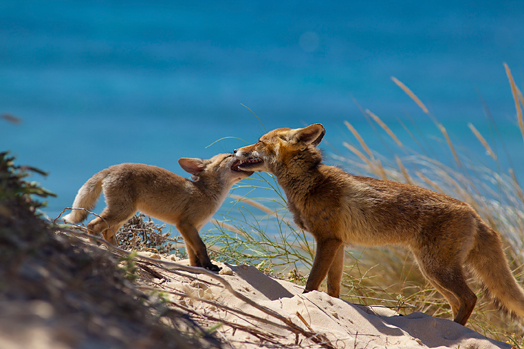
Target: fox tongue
x,y
234,167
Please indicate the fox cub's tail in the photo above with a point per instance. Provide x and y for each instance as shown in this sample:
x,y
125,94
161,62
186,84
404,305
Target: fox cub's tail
x,y
86,198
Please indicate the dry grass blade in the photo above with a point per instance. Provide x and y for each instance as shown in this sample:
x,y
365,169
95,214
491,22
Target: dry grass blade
x,y
483,141
360,139
450,144
358,153
375,165
429,182
253,203
229,227
385,127
216,304
261,123
261,335
516,185
405,173
381,170
259,206
83,209
321,337
521,98
410,94
515,92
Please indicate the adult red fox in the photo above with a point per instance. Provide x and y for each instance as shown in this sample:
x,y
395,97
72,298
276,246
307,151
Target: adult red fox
x,y
156,192
338,208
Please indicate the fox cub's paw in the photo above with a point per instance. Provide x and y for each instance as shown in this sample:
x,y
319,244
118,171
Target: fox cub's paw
x,y
213,267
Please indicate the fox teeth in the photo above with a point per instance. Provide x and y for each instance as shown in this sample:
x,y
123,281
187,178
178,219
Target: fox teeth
x,y
237,163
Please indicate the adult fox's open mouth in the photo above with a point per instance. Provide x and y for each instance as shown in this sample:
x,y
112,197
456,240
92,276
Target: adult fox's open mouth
x,y
245,165
238,166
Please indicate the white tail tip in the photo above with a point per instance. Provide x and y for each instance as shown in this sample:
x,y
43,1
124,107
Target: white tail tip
x,y
68,218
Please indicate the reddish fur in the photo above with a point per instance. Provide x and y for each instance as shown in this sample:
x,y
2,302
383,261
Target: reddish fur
x,y
338,208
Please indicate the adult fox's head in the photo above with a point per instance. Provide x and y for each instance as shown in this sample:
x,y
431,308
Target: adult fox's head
x,y
280,147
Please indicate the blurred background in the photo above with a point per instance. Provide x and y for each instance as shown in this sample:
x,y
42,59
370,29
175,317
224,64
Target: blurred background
x,y
96,83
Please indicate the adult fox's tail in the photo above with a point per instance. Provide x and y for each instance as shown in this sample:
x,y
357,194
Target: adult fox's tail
x,y
489,262
86,198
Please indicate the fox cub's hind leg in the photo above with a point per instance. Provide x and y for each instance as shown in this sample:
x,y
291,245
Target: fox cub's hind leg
x,y
107,225
118,211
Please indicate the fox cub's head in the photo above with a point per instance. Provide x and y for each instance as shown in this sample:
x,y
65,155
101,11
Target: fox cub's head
x,y
279,147
221,167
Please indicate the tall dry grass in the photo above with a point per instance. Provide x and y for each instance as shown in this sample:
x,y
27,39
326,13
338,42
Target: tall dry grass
x,y
260,231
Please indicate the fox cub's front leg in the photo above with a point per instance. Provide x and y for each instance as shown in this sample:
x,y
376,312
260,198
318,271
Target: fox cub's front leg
x,y
195,247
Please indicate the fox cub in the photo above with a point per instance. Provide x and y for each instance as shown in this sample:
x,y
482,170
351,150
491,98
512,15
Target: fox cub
x,y
156,192
338,208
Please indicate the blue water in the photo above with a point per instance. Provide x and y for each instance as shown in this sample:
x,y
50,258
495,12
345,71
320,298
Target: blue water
x,y
103,82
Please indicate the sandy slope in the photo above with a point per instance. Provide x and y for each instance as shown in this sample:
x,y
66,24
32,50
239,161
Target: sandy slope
x,y
338,323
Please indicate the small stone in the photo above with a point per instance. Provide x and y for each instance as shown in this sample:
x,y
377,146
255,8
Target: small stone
x,y
225,271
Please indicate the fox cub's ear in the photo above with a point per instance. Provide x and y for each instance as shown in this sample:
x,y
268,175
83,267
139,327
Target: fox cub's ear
x,y
311,134
192,165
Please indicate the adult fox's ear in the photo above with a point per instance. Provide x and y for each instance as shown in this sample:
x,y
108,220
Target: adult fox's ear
x,y
311,134
192,165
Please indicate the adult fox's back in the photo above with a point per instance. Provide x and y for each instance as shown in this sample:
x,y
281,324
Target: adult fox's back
x,y
338,208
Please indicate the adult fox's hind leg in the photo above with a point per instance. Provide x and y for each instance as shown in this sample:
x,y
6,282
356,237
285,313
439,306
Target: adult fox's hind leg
x,y
449,280
450,297
455,283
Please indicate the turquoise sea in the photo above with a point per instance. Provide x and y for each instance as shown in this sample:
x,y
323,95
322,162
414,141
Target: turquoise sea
x,y
97,83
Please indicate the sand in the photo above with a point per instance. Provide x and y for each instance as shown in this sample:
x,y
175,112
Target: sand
x,y
336,323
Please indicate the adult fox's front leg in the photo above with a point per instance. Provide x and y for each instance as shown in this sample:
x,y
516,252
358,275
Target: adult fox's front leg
x,y
327,253
334,276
